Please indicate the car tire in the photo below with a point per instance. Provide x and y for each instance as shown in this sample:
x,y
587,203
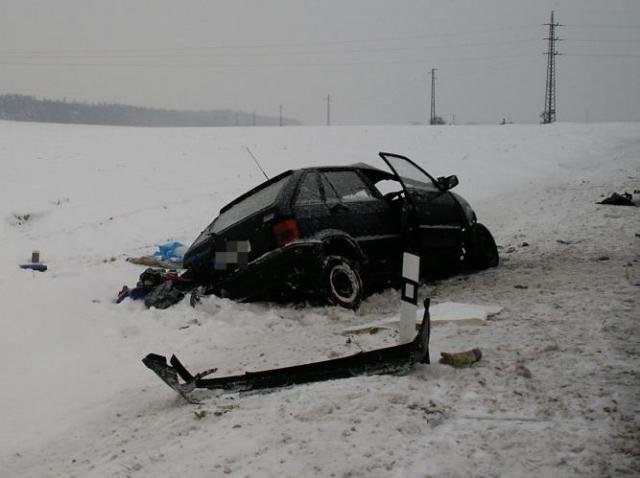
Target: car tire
x,y
482,251
341,282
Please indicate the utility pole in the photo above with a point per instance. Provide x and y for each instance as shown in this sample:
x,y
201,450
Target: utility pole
x,y
549,113
328,110
281,115
432,119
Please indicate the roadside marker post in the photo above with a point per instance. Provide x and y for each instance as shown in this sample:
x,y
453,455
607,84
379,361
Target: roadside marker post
x,y
409,297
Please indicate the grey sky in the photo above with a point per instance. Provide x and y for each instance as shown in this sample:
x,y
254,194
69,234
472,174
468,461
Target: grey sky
x,y
372,56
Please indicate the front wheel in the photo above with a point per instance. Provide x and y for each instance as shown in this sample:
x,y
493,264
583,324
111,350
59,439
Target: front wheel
x,y
482,251
341,283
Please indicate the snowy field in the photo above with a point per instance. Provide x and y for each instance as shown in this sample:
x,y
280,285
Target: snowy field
x,y
557,392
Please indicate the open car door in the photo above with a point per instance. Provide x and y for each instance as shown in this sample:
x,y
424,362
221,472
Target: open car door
x,y
432,222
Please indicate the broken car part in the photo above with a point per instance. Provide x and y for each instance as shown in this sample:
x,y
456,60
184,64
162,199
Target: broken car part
x,y
394,359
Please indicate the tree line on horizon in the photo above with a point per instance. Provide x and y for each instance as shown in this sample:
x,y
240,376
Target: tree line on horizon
x,y
14,107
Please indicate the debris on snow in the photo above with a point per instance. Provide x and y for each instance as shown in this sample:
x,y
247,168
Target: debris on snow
x,y
34,267
168,256
387,360
159,288
444,312
523,371
624,199
35,263
153,261
461,359
172,252
199,414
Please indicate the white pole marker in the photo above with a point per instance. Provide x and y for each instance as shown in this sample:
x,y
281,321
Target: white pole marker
x,y
409,297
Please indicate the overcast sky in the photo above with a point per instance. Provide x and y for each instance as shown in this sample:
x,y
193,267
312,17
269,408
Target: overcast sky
x,y
371,56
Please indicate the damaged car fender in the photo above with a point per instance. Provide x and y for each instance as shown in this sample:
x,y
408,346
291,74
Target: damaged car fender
x,y
336,233
336,242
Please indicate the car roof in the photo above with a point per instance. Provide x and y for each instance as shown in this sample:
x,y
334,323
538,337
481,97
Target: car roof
x,y
374,173
347,166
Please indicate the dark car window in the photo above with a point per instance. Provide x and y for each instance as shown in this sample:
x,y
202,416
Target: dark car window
x,y
411,175
347,186
309,190
258,201
330,194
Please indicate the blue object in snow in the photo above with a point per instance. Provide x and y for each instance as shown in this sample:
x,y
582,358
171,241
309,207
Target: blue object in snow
x,y
171,251
34,266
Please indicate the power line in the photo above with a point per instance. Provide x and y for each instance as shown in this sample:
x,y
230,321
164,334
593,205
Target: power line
x,y
617,27
389,95
589,40
299,44
603,55
34,62
278,45
171,54
250,65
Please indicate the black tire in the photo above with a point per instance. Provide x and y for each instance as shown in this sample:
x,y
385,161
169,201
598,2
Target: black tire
x,y
341,283
482,251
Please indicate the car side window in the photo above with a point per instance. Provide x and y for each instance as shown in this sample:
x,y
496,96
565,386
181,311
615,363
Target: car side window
x,y
346,186
308,190
330,193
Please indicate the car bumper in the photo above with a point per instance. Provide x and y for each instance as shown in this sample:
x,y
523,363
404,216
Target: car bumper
x,y
291,268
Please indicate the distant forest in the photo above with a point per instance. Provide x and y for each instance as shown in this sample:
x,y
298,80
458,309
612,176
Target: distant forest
x,y
30,108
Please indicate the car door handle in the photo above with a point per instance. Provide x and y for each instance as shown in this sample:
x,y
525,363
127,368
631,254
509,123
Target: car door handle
x,y
338,207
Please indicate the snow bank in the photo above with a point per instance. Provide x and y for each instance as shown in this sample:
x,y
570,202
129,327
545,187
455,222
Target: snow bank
x,y
552,395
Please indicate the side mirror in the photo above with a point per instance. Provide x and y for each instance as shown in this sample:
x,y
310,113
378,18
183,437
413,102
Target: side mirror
x,y
448,182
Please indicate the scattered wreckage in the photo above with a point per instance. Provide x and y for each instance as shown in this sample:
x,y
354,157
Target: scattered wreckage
x,y
332,232
395,359
328,234
413,348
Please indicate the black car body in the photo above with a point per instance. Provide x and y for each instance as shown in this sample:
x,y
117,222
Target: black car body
x,y
337,232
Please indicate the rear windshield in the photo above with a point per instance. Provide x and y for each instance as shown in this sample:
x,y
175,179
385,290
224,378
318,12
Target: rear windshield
x,y
250,205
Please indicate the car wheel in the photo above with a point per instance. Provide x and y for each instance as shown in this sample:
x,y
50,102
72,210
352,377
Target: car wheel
x,y
341,282
482,251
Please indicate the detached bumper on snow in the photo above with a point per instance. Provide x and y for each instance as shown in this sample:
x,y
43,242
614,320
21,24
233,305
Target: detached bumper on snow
x,y
394,359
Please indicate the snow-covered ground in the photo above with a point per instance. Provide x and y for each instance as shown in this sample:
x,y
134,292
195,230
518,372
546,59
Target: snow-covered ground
x,y
557,392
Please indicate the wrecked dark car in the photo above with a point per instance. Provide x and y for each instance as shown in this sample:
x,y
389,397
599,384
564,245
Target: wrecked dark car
x,y
337,233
